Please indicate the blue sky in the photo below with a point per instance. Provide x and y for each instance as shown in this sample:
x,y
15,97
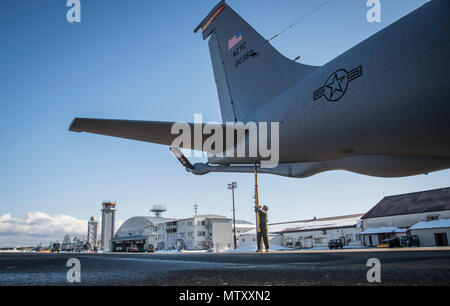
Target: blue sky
x,y
140,60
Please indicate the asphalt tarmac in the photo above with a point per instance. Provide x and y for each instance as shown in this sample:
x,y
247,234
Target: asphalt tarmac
x,y
399,267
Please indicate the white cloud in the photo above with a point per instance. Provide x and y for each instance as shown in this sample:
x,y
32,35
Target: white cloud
x,y
38,227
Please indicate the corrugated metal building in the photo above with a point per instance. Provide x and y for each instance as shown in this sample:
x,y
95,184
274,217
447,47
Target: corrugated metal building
x,y
310,233
318,232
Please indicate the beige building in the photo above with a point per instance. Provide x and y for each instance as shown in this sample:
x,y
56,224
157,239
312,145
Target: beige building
x,y
200,232
432,233
398,215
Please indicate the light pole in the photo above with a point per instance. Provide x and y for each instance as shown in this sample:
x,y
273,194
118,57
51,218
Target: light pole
x,y
233,186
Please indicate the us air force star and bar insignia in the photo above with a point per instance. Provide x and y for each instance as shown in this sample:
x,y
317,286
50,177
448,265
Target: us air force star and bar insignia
x,y
336,85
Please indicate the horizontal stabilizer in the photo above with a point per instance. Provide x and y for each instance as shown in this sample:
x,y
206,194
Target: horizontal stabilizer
x,y
149,131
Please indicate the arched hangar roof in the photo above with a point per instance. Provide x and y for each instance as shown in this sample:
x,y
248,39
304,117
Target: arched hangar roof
x,y
136,225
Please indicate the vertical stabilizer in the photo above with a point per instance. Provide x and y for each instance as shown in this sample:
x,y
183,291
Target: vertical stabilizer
x,y
249,72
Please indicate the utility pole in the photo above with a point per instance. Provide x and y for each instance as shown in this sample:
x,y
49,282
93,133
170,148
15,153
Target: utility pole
x,y
258,229
233,186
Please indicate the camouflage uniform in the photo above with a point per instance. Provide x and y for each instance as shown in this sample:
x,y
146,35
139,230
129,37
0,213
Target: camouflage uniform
x,y
262,235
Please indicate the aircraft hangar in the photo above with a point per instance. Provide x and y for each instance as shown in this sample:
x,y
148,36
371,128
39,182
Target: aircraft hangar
x,y
137,234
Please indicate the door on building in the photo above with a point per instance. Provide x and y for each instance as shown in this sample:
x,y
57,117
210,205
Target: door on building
x,y
441,239
308,242
367,240
373,240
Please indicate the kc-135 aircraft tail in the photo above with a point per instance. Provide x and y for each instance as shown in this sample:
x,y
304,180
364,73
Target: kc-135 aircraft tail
x,y
243,88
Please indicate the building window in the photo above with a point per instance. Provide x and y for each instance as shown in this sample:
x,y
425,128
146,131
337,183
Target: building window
x,y
431,218
201,234
320,240
358,237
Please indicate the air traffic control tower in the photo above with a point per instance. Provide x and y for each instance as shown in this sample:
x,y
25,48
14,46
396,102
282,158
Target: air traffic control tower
x,y
108,221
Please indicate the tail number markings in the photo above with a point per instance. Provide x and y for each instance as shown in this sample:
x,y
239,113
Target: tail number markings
x,y
245,57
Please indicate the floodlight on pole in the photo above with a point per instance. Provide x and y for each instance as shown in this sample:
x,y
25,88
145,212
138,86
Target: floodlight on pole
x,y
233,186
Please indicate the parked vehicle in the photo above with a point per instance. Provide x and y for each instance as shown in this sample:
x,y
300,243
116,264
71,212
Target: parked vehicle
x,y
298,245
410,241
289,242
151,248
392,242
56,247
135,249
382,245
335,244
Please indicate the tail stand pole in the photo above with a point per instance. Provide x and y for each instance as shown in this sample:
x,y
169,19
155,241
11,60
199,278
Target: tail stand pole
x,y
258,228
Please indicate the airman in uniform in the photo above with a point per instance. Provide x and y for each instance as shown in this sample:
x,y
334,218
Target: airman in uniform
x,y
262,234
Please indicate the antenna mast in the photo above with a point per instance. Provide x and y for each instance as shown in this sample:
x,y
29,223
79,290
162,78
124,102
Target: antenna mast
x,y
158,210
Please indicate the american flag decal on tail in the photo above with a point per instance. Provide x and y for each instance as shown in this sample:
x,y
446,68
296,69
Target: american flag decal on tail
x,y
234,40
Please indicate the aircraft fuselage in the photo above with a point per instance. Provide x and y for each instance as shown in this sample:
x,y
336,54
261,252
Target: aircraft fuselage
x,y
386,97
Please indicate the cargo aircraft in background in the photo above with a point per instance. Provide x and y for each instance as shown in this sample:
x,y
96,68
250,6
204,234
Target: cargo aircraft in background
x,y
381,108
